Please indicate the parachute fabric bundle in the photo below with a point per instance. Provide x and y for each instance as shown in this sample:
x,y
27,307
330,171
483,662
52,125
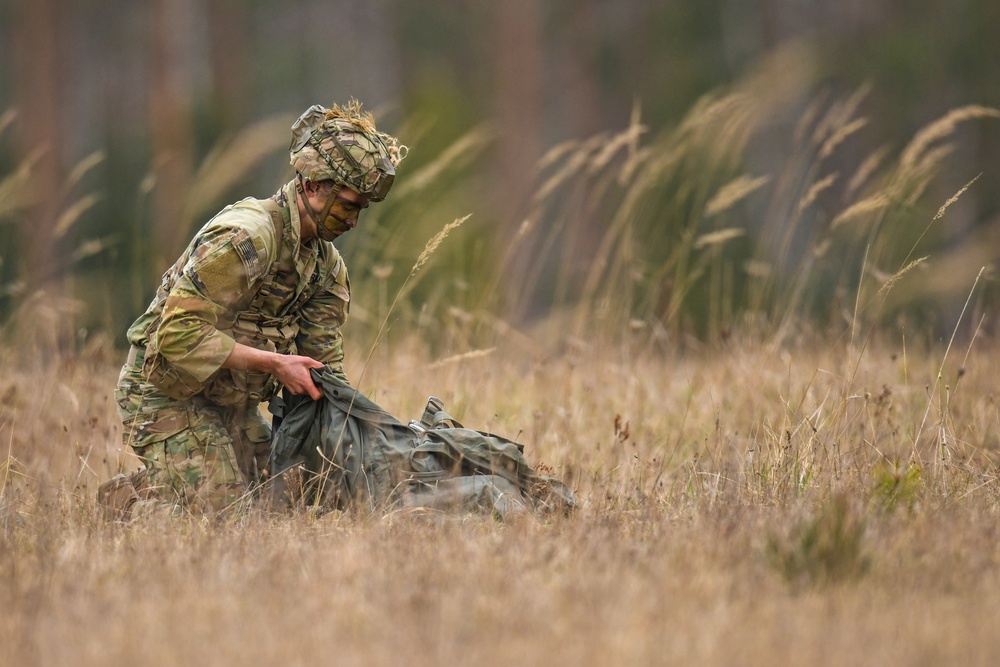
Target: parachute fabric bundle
x,y
344,449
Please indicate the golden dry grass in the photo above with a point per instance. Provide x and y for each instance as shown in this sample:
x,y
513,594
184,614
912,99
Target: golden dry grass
x,y
774,498
801,504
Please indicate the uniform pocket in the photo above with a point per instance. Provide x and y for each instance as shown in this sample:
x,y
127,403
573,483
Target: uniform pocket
x,y
174,383
147,415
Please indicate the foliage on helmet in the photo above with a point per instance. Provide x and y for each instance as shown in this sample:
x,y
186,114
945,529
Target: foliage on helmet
x,y
343,144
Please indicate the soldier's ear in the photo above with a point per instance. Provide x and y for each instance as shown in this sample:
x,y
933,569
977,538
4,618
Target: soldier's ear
x,y
311,187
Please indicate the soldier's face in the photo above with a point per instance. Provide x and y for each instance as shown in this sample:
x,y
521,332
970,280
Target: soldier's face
x,y
344,212
345,208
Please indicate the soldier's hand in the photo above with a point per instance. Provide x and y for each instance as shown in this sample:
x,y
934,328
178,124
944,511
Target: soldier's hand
x,y
292,371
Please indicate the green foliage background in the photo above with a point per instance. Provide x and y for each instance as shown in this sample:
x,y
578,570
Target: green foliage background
x,y
506,108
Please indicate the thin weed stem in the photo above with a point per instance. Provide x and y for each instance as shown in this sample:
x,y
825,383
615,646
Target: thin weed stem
x,y
944,358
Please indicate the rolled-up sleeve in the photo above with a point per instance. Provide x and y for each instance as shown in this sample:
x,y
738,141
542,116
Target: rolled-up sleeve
x,y
219,274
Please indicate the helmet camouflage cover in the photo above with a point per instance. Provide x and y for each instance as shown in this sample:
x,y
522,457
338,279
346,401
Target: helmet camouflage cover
x,y
342,144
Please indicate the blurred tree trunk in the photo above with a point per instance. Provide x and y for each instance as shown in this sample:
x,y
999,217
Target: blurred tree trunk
x,y
518,61
580,68
40,79
518,65
169,96
229,28
581,108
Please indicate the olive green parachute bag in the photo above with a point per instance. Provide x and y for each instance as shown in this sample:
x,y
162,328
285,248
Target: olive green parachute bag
x,y
344,449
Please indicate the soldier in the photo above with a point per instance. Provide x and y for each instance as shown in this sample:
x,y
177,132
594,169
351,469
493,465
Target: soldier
x,y
256,301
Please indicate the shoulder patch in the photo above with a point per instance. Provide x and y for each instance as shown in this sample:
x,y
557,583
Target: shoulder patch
x,y
247,252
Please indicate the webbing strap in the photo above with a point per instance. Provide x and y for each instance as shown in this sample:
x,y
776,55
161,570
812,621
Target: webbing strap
x,y
136,355
279,224
280,235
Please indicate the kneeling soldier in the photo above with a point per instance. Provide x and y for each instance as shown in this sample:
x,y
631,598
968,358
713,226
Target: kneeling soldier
x,y
257,300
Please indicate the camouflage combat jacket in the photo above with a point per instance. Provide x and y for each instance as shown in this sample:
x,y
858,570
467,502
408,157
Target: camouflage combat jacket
x,y
244,277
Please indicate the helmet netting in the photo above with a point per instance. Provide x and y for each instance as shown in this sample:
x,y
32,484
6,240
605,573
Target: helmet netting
x,y
346,147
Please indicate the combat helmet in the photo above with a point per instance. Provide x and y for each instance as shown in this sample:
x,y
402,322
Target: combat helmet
x,y
342,144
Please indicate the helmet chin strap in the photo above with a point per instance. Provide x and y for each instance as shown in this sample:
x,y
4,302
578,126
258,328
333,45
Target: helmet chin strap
x,y
321,229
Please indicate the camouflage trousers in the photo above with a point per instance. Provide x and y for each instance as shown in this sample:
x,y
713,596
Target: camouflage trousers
x,y
199,455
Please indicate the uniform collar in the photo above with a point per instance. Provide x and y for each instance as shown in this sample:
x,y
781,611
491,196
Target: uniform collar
x,y
288,201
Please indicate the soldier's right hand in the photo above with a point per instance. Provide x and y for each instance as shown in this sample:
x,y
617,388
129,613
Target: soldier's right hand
x,y
292,371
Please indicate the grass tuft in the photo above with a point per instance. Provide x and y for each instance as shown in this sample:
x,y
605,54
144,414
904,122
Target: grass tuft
x,y
827,548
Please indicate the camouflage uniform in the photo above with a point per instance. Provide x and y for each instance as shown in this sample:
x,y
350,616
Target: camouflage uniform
x,y
245,277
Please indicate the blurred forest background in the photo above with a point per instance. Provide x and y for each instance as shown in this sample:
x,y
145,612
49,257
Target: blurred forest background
x,y
671,169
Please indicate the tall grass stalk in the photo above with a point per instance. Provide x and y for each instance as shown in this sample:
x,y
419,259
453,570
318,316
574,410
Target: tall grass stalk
x,y
429,249
688,235
425,255
944,358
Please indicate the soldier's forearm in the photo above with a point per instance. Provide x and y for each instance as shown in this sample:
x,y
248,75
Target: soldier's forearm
x,y
291,370
244,357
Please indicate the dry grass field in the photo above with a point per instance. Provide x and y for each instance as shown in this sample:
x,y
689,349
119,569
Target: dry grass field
x,y
818,502
799,495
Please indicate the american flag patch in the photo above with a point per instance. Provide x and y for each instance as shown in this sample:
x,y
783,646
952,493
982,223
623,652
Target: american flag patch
x,y
244,247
